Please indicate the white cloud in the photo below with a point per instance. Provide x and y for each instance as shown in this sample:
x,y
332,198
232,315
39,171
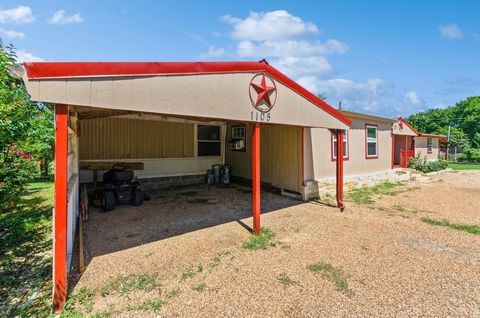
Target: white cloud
x,y
363,96
296,66
12,34
288,42
412,98
451,31
59,17
270,26
284,48
24,56
213,51
295,48
18,15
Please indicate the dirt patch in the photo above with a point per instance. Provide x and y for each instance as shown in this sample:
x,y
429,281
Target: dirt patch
x,y
370,260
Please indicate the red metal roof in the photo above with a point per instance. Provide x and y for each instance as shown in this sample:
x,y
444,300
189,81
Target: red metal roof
x,y
48,70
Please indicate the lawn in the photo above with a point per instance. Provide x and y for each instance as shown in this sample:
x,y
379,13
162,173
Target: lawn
x,y
464,166
25,254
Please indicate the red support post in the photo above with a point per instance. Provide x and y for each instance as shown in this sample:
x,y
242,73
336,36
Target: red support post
x,y
256,178
393,150
60,210
405,162
340,203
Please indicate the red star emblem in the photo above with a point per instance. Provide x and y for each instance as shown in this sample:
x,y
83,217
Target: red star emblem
x,y
264,92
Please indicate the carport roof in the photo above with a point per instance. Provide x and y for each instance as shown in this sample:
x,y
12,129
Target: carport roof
x,y
65,70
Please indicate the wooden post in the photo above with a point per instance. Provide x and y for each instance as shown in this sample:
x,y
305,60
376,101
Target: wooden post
x,y
405,162
60,209
256,178
339,178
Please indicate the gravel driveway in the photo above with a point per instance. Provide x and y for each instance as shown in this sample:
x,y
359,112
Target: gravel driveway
x,y
382,261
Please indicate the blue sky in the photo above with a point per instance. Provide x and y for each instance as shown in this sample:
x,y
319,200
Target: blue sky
x,y
380,57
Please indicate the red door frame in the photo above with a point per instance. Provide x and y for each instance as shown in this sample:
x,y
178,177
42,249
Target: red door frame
x,y
339,178
256,178
60,210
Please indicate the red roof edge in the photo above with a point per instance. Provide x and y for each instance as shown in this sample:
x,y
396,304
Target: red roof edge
x,y
48,70
409,126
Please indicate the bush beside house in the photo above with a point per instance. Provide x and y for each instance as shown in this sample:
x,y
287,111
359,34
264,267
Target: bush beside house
x,y
420,163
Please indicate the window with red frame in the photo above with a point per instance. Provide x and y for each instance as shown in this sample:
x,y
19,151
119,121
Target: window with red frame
x,y
429,145
371,141
345,145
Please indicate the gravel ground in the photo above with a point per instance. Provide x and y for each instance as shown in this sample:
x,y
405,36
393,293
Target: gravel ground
x,y
394,264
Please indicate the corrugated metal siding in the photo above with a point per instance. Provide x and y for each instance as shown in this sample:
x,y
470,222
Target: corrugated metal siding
x,y
280,156
125,138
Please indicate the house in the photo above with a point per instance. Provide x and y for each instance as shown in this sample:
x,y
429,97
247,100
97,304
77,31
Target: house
x,y
175,120
367,152
431,146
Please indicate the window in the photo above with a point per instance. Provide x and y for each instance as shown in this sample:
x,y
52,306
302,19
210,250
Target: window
x,y
237,142
371,133
208,140
345,145
429,145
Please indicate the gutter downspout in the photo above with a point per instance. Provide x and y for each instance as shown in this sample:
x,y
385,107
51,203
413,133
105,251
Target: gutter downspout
x,y
339,178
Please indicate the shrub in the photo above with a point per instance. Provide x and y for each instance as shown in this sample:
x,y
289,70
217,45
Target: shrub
x,y
470,155
421,164
16,170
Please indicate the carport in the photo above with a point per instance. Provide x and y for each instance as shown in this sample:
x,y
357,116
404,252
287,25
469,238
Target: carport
x,y
229,94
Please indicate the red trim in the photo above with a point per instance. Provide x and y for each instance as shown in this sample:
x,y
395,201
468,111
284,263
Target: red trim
x,y
303,156
60,212
406,151
256,178
332,152
339,178
393,149
400,119
45,70
366,142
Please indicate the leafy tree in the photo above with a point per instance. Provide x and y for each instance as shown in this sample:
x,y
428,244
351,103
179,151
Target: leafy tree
x,y
463,119
41,141
322,96
17,117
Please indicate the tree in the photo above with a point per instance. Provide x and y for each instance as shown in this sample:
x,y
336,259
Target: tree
x,y
41,141
17,117
463,118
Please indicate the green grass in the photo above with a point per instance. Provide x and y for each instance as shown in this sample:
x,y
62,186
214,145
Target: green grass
x,y
152,305
172,294
191,272
78,304
218,258
331,273
464,166
200,287
364,195
285,280
25,254
474,229
263,241
124,285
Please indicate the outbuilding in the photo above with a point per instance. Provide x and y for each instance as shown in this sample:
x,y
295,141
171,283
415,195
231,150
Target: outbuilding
x,y
177,119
